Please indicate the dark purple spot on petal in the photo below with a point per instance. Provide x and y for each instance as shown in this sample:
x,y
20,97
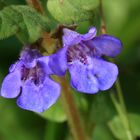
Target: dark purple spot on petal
x,y
79,52
36,74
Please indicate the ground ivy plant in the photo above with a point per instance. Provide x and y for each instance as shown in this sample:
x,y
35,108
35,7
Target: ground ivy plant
x,y
78,79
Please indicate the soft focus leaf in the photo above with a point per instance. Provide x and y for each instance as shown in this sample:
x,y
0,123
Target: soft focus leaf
x,y
55,113
118,129
101,132
102,109
85,4
23,21
16,126
67,11
80,101
135,123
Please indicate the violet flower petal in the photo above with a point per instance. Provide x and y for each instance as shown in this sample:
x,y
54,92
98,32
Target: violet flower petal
x,y
106,45
38,98
105,72
44,63
52,92
90,35
11,85
29,56
69,36
82,79
58,62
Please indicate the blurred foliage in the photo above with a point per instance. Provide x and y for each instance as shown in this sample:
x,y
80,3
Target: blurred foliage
x,y
23,21
15,124
123,21
55,113
101,132
118,129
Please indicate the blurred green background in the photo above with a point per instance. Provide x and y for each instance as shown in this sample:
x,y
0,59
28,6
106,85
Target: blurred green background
x,y
123,21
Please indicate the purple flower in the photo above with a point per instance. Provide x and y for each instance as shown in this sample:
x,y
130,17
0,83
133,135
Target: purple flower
x,y
82,56
29,79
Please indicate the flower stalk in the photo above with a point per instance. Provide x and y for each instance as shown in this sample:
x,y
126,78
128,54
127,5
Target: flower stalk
x,y
72,111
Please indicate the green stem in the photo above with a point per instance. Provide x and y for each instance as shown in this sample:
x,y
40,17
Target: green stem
x,y
123,107
120,95
123,117
123,111
72,111
117,84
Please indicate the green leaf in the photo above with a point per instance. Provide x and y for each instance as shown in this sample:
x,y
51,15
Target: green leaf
x,y
55,113
118,129
102,109
23,21
85,4
135,123
101,132
67,11
16,124
7,24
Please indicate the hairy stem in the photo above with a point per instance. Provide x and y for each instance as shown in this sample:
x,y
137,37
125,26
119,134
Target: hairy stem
x,y
117,86
72,112
36,5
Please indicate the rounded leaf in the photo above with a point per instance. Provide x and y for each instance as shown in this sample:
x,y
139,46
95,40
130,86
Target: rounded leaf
x,y
67,12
